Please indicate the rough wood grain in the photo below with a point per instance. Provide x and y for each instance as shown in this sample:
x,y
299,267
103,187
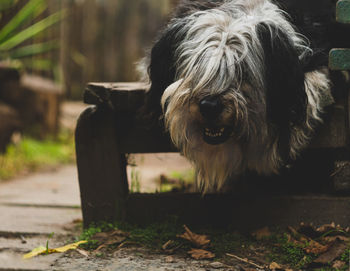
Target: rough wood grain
x,y
101,166
245,212
121,96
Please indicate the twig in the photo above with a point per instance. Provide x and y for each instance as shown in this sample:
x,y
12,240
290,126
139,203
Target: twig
x,y
245,260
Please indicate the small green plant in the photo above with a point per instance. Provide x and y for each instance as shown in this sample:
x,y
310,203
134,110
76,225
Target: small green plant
x,y
152,236
287,252
135,185
345,257
47,242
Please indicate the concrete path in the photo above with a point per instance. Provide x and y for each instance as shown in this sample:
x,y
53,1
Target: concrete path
x,y
34,206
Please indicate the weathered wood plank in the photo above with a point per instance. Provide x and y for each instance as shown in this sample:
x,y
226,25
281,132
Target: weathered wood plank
x,y
101,167
138,136
121,96
343,11
245,212
339,59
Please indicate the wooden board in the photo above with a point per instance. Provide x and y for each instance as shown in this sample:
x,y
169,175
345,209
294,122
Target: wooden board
x,y
127,97
138,136
246,212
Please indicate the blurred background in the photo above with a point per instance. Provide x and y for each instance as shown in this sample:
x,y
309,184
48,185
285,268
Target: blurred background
x,y
49,50
76,41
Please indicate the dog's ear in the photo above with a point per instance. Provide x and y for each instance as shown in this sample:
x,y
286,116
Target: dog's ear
x,y
286,98
162,68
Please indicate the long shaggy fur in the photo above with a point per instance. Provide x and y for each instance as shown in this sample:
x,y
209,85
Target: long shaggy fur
x,y
248,54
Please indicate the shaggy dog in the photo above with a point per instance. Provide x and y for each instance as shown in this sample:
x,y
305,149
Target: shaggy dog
x,y
236,87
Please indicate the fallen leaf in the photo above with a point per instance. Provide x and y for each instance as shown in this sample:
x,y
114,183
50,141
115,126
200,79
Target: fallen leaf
x,y
297,235
78,220
169,259
83,252
316,248
326,228
199,254
196,239
261,233
291,239
167,245
35,252
274,266
68,247
245,260
338,264
335,250
106,239
331,239
42,250
293,231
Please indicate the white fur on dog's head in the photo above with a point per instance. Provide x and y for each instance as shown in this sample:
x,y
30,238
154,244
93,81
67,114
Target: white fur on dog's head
x,y
223,54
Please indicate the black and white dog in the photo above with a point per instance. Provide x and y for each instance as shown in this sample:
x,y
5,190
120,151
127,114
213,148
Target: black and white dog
x,y
234,84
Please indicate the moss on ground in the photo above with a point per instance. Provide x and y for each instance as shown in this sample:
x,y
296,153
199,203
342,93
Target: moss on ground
x,y
274,248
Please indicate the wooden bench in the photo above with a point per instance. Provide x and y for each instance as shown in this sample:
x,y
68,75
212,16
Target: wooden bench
x,y
111,129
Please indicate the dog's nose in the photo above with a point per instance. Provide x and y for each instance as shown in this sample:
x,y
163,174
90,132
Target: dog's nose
x,y
210,107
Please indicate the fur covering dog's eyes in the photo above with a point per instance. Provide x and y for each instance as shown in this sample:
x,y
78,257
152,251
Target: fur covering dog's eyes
x,y
229,81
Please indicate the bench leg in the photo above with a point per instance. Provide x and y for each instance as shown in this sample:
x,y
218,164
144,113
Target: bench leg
x,y
101,167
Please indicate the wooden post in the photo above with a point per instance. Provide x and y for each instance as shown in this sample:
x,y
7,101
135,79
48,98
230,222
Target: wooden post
x,y
101,166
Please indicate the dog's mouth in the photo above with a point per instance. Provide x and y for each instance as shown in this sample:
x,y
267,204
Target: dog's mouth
x,y
216,135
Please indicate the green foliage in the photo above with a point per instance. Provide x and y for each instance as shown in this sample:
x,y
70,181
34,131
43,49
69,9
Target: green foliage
x,y
47,242
16,32
184,179
31,154
287,252
5,4
187,176
135,185
228,242
345,257
152,236
156,234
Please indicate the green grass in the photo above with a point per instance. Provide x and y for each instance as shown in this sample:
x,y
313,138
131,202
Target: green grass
x,y
135,186
30,154
185,178
152,236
